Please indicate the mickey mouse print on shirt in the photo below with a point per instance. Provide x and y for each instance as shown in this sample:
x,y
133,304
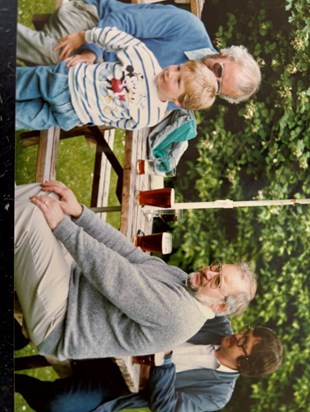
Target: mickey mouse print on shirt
x,y
126,86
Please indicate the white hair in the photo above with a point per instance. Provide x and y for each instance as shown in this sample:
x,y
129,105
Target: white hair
x,y
248,77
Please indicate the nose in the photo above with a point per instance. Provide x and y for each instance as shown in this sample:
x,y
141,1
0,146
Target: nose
x,y
209,273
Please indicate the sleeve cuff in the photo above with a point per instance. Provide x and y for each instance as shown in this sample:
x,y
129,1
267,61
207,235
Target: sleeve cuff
x,y
161,359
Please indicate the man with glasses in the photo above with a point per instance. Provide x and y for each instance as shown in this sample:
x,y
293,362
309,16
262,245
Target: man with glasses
x,y
87,292
198,375
212,285
172,34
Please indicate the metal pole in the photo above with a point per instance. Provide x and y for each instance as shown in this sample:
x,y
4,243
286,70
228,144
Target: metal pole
x,y
229,204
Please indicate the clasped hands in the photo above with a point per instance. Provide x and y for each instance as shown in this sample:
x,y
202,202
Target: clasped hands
x,y
54,210
68,44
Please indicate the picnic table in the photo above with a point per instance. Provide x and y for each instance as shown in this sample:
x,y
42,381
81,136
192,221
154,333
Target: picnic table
x,y
129,183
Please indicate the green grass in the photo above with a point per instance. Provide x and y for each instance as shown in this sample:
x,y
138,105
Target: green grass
x,y
74,168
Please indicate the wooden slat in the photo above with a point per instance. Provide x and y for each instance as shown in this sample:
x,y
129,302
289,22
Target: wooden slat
x,y
47,154
31,138
105,176
130,372
196,7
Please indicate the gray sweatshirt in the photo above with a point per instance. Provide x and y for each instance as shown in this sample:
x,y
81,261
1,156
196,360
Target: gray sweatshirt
x,y
121,300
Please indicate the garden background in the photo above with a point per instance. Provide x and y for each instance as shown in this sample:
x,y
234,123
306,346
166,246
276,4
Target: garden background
x,y
255,150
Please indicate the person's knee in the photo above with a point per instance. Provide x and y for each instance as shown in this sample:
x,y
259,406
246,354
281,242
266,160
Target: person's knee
x,y
28,220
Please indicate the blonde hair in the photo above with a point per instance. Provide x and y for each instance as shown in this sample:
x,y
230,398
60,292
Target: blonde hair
x,y
200,87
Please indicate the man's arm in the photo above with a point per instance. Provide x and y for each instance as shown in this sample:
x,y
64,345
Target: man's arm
x,y
194,390
110,38
104,233
203,390
160,389
194,395
88,220
147,292
154,22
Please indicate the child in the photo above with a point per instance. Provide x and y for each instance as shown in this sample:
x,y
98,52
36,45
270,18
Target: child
x,y
129,94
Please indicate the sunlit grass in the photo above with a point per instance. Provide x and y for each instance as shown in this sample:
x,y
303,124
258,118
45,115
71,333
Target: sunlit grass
x,y
75,168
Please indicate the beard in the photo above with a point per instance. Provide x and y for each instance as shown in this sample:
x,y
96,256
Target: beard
x,y
190,285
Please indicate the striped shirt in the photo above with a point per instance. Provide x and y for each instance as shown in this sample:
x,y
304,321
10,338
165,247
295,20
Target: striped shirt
x,y
122,94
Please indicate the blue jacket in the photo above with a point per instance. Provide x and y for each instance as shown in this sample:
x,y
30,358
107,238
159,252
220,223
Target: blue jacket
x,y
190,391
167,31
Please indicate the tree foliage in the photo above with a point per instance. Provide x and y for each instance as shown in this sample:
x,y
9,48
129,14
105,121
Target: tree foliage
x,y
259,150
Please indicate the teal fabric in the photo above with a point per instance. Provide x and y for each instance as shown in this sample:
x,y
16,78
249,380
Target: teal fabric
x,y
185,132
169,138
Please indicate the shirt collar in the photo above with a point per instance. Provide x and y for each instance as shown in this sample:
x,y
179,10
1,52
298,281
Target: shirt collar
x,y
221,367
199,53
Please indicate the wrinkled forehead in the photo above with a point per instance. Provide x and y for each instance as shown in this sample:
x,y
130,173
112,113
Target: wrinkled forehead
x,y
232,270
235,278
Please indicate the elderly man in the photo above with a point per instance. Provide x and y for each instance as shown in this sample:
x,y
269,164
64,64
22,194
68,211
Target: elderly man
x,y
201,378
172,34
104,297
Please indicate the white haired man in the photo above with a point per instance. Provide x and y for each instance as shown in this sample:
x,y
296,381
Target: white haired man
x,y
172,34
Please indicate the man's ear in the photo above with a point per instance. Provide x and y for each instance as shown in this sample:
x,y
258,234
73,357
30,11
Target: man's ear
x,y
219,307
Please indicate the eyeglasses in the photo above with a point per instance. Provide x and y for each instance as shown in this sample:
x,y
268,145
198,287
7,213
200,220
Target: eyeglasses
x,y
241,342
216,281
218,69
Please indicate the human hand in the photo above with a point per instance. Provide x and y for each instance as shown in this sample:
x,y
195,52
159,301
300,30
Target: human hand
x,y
87,57
50,208
67,200
69,43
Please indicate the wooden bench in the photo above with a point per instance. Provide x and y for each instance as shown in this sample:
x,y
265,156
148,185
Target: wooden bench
x,y
48,142
48,148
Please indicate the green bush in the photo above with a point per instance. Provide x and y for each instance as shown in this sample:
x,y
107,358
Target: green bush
x,y
259,150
